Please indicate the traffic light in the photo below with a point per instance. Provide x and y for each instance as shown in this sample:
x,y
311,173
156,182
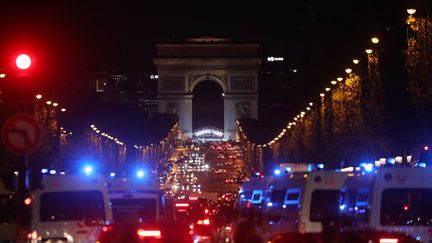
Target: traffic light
x,y
23,61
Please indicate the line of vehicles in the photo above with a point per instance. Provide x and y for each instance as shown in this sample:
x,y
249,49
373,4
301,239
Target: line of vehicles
x,y
95,208
386,204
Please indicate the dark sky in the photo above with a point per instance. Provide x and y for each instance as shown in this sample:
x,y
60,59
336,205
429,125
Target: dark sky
x,y
318,37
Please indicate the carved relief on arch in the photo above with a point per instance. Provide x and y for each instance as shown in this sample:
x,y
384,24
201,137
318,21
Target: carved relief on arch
x,y
197,78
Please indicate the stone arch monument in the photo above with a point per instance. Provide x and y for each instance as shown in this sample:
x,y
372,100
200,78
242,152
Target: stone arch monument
x,y
234,66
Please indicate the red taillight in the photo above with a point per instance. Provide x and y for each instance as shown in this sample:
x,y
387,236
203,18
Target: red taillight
x,y
33,235
388,240
149,233
107,228
206,211
182,204
193,198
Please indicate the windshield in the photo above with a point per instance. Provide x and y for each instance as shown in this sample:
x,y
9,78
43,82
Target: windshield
x,y
406,207
7,208
142,209
324,205
277,196
73,205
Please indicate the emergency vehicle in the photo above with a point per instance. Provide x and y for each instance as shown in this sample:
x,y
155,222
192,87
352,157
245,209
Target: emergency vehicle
x,y
138,199
250,201
8,226
396,199
70,208
300,202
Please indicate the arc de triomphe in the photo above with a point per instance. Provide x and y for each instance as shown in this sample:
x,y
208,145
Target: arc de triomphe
x,y
234,66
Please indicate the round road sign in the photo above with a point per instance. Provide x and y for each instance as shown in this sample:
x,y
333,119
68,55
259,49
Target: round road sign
x,y
21,134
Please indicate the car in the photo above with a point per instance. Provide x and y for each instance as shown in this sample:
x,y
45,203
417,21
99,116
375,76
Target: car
x,y
149,231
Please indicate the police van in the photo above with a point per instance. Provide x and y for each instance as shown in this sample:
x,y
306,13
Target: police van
x,y
70,208
138,199
394,199
8,224
300,202
250,201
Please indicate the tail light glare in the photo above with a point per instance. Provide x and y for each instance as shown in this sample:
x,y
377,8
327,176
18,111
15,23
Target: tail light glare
x,y
28,201
33,235
182,204
205,221
149,233
388,240
107,228
206,211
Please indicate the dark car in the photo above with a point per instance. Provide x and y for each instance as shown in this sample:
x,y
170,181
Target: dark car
x,y
146,232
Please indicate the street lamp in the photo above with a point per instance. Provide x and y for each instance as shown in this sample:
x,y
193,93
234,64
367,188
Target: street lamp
x,y
38,96
339,79
411,11
375,40
356,61
348,70
368,51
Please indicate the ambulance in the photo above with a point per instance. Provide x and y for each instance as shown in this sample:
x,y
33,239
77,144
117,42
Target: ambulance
x,y
138,199
8,226
396,199
70,208
299,202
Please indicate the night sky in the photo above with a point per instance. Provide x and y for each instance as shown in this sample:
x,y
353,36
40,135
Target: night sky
x,y
319,38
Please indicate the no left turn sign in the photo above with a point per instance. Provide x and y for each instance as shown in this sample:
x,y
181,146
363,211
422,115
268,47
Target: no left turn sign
x,y
21,134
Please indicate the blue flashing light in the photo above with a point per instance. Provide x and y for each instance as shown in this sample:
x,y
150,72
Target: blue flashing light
x,y
269,204
44,171
309,168
112,174
88,170
53,172
391,161
368,167
287,169
422,165
140,174
320,166
342,207
277,172
257,174
284,206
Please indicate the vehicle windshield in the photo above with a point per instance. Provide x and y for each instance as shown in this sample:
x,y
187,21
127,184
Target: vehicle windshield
x,y
72,205
7,208
324,205
141,209
406,207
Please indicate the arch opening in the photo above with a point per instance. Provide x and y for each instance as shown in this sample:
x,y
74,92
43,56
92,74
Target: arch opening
x,y
207,105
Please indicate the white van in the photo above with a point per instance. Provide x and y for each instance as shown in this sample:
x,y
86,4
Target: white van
x,y
70,208
138,199
395,199
8,226
299,202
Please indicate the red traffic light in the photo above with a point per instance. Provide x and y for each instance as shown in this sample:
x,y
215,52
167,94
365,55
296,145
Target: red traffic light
x,y
23,61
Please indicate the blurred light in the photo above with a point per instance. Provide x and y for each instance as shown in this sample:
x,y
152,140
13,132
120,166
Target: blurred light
x,y
63,109
333,82
320,166
269,204
422,165
149,233
368,167
339,79
38,96
310,104
52,172
368,51
55,104
391,160
2,75
23,61
411,11
327,89
44,171
375,40
322,94
388,240
277,172
356,61
342,207
16,173
348,70
27,201
88,170
426,148
112,174
140,174
49,102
